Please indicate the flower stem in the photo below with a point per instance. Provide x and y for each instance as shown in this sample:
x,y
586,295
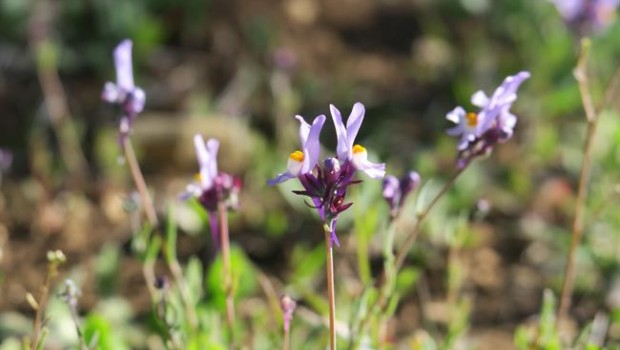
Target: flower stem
x,y
228,285
149,208
406,246
391,271
329,268
138,179
592,118
52,272
287,339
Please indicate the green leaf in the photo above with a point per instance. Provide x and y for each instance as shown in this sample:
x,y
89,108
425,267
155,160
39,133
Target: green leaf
x,y
243,277
99,331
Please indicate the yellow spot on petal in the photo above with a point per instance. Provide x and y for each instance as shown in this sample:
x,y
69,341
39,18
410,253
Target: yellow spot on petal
x,y
359,149
472,119
197,177
297,156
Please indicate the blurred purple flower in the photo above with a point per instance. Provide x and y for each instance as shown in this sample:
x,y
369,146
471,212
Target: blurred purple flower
x,y
6,160
587,16
395,191
288,305
212,188
284,59
326,184
124,93
494,123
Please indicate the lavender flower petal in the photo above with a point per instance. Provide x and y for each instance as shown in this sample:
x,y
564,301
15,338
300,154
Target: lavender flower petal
x,y
280,178
312,146
204,160
343,150
373,170
354,123
122,61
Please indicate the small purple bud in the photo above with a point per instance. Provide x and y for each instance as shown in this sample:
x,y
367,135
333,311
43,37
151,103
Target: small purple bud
x,y
288,306
409,183
391,190
396,191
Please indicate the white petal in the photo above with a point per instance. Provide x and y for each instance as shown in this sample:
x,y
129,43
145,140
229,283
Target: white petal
x,y
479,99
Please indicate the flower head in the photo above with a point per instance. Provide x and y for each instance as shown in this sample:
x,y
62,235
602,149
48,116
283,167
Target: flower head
x,y
288,305
587,16
492,124
301,162
326,183
212,188
347,150
395,191
124,93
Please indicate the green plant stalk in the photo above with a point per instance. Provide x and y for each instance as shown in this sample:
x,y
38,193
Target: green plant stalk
x,y
406,246
52,272
331,295
138,178
151,214
286,344
228,281
78,328
592,119
46,59
391,270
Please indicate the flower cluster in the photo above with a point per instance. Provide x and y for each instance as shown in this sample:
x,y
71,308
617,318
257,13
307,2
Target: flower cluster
x,y
480,131
395,191
587,16
124,93
326,183
212,188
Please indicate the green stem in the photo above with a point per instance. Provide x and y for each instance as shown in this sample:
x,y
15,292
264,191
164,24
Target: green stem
x,y
331,296
228,285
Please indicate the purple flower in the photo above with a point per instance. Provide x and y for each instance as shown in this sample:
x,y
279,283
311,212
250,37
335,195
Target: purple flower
x,y
212,188
395,191
586,16
124,93
492,124
6,160
302,162
326,184
347,150
288,305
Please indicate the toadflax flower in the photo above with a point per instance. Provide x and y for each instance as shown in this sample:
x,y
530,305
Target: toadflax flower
x,y
395,191
587,16
326,183
492,124
124,93
212,188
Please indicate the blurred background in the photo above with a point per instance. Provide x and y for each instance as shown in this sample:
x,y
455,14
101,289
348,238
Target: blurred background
x,y
239,71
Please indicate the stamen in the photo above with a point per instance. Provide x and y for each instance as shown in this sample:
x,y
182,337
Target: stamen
x,y
472,119
197,177
359,149
297,156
